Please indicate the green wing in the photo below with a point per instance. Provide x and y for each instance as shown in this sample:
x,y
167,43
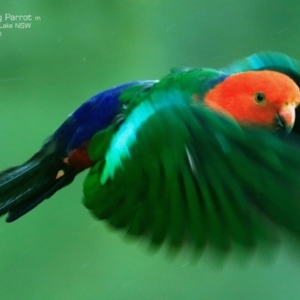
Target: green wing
x,y
270,60
181,173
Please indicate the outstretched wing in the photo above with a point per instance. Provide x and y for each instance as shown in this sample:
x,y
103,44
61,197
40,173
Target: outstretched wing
x,y
182,173
274,61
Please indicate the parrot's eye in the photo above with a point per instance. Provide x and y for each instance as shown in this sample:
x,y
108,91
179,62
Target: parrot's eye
x,y
260,98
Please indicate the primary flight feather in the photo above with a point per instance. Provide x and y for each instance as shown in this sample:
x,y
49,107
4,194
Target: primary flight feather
x,y
192,157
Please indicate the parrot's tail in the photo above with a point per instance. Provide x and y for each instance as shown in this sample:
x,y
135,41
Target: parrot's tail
x,y
23,187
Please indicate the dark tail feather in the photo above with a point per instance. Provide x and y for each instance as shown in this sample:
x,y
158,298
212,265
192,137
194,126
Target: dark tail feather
x,y
24,187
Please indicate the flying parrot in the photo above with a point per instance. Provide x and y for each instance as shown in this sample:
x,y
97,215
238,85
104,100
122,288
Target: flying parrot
x,y
193,158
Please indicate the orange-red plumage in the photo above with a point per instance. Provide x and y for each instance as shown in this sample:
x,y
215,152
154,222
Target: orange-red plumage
x,y
79,158
256,97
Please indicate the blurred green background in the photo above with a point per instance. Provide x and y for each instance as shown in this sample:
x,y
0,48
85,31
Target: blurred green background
x,y
76,50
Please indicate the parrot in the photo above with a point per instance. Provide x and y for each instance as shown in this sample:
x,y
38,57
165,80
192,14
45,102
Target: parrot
x,y
194,158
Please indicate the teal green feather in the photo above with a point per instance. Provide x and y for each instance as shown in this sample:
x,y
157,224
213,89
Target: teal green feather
x,y
270,60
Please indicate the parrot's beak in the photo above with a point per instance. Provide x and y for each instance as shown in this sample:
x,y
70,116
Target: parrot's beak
x,y
285,118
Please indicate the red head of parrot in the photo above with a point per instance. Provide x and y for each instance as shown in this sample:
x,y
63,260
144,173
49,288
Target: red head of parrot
x,y
267,98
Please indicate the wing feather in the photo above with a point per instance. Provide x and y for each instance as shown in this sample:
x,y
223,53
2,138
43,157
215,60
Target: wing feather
x,y
183,173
